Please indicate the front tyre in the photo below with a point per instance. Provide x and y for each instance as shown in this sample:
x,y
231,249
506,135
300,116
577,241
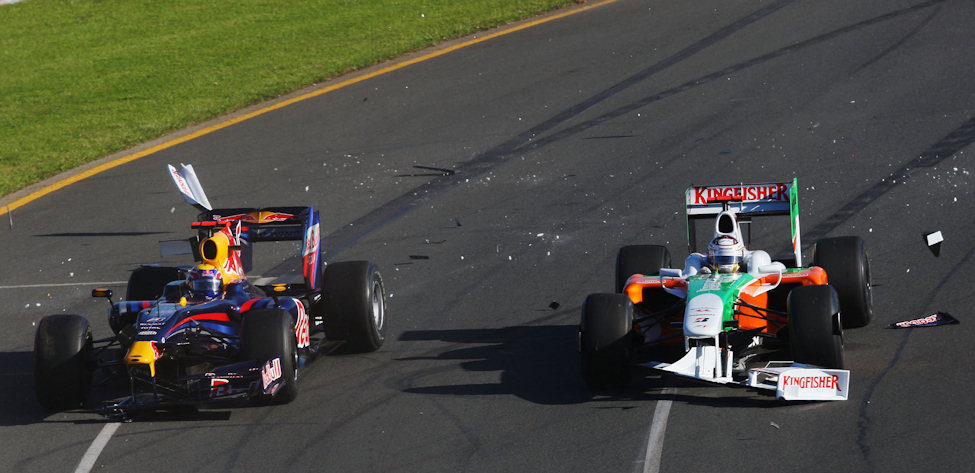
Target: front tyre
x,y
267,334
354,306
604,340
640,259
63,362
815,334
147,283
848,271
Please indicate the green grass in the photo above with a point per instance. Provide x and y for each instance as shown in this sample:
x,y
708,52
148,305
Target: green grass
x,y
81,79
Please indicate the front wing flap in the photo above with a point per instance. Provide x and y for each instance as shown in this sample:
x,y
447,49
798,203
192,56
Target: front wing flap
x,y
243,379
790,381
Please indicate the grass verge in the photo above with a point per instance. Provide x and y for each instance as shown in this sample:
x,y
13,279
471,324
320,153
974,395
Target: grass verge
x,y
81,79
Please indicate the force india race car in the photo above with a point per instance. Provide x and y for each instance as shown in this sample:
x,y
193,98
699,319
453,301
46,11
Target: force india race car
x,y
729,316
236,340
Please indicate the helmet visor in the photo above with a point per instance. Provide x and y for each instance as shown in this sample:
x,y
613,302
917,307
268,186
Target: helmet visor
x,y
205,287
722,260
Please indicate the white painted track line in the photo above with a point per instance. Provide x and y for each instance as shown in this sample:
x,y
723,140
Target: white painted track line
x,y
91,456
655,440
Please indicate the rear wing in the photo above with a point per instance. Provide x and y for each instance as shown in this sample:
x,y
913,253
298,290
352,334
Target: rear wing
x,y
252,225
272,224
746,201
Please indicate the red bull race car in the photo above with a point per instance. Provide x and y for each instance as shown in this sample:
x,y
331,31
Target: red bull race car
x,y
729,310
187,335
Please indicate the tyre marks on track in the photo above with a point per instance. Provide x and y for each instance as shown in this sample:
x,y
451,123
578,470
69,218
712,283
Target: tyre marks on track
x,y
863,423
527,141
944,148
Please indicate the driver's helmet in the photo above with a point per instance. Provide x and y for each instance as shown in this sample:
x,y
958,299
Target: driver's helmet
x,y
725,254
204,283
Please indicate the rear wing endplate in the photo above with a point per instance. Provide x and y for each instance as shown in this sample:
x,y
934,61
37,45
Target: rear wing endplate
x,y
745,200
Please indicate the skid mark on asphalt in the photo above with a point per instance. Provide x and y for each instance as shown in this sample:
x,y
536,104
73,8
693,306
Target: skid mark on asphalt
x,y
346,236
944,148
529,141
863,423
633,106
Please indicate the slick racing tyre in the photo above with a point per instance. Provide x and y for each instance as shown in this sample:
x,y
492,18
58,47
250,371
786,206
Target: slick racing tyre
x,y
640,259
815,334
604,340
848,271
354,306
63,362
267,334
147,282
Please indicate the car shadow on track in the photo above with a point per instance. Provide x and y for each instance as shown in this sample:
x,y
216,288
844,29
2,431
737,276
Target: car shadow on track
x,y
541,364
19,406
537,363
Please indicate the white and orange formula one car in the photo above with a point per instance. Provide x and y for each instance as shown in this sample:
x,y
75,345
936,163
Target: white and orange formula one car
x,y
733,310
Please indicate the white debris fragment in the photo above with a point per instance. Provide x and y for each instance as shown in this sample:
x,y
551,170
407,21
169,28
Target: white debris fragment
x,y
540,235
306,188
935,238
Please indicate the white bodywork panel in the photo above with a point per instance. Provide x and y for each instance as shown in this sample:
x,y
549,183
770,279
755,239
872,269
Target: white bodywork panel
x,y
189,185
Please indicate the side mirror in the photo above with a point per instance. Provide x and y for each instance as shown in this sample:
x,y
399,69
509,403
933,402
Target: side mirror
x,y
775,267
671,273
103,294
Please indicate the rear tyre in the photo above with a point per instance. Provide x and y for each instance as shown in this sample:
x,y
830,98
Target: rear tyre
x,y
148,282
604,340
354,306
640,259
267,334
848,271
815,333
63,362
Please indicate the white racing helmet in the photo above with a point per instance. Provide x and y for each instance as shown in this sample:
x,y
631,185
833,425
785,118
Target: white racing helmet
x,y
725,254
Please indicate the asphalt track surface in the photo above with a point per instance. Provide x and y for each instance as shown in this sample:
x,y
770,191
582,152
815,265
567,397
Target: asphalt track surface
x,y
568,140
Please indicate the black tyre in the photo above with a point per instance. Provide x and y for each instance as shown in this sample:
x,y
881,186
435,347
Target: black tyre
x,y
267,334
354,306
640,259
815,333
147,282
63,361
605,340
848,271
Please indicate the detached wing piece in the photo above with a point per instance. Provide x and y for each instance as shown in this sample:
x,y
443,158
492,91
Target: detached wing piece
x,y
188,185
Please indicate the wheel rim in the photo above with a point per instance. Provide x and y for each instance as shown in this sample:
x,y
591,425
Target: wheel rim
x,y
377,306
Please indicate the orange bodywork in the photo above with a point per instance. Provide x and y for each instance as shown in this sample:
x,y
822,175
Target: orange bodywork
x,y
748,318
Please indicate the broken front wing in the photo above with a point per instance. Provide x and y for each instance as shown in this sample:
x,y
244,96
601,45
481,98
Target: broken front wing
x,y
790,381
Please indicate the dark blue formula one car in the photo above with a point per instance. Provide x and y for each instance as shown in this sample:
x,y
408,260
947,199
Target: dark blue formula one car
x,y
187,335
